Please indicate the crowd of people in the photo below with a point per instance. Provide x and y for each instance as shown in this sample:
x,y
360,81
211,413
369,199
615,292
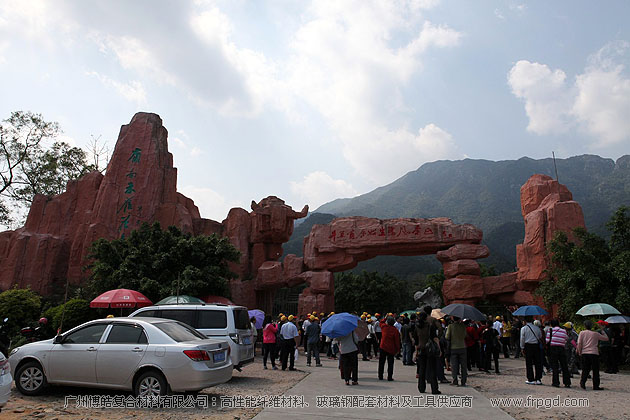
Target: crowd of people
x,y
435,346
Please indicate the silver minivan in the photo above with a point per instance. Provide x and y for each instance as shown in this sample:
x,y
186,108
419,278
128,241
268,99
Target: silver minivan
x,y
227,322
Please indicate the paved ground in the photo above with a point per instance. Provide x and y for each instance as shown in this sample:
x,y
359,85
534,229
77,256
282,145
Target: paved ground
x,y
326,382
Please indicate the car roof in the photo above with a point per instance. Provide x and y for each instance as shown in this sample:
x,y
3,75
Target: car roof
x,y
194,306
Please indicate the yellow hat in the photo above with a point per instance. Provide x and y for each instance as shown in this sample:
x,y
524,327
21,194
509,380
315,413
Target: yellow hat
x,y
390,314
316,319
311,318
568,325
362,316
281,314
364,313
332,313
291,317
498,317
321,314
377,314
110,316
283,318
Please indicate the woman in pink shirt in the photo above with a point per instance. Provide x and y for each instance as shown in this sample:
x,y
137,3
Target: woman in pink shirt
x,y
587,348
269,342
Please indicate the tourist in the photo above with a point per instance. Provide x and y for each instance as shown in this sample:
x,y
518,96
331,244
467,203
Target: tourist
x,y
492,348
370,341
543,354
556,340
531,337
456,335
570,349
472,344
305,324
516,337
363,343
614,334
377,331
269,342
407,342
348,347
290,339
252,326
427,331
506,338
390,345
313,331
588,351
498,325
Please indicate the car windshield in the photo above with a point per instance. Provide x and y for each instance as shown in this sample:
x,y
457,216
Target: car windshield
x,y
241,319
179,332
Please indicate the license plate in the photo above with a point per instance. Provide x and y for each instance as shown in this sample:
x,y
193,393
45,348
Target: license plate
x,y
247,340
218,357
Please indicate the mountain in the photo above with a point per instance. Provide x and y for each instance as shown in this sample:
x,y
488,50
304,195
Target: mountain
x,y
486,194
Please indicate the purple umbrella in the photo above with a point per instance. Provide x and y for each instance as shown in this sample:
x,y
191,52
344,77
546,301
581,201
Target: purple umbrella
x,y
259,315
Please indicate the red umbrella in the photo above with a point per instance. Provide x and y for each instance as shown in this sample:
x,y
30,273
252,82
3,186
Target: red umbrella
x,y
217,299
120,298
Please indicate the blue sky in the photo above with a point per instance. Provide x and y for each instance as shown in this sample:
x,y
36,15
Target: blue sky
x,y
317,100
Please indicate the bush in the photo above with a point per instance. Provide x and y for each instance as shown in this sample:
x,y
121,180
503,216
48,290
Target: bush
x,y
21,306
77,311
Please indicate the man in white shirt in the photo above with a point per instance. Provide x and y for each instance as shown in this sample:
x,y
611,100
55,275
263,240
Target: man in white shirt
x,y
498,325
290,338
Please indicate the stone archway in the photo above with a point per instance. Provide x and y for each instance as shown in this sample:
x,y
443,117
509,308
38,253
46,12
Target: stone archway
x,y
343,243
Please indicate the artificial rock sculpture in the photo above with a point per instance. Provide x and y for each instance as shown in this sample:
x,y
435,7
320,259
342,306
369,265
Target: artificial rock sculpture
x,y
140,185
547,207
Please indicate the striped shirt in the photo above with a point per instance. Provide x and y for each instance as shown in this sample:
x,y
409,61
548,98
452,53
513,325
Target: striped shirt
x,y
557,336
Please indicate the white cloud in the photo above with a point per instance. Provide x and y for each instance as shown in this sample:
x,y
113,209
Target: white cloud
x,y
602,104
212,205
353,72
598,102
498,14
318,188
547,99
132,91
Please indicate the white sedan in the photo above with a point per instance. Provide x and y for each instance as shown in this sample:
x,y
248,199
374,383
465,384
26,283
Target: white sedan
x,y
148,356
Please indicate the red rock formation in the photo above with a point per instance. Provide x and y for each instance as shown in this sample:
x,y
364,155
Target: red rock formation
x,y
547,208
140,185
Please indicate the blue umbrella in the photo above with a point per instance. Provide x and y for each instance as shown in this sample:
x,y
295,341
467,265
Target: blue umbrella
x,y
530,310
339,325
259,315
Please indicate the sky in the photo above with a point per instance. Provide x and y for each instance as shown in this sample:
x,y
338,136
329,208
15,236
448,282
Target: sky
x,y
316,100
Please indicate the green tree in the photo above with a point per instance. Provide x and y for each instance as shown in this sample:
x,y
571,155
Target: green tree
x,y
158,262
77,311
21,306
588,269
371,292
29,165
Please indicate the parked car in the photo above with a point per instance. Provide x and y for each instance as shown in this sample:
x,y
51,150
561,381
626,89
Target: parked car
x,y
5,380
149,356
228,322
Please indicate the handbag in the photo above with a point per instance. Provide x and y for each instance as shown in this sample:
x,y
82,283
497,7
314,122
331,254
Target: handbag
x,y
432,348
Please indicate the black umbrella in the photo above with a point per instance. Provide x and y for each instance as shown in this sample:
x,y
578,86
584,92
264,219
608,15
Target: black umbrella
x,y
463,311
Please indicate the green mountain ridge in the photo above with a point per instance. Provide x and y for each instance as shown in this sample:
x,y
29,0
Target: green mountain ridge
x,y
481,192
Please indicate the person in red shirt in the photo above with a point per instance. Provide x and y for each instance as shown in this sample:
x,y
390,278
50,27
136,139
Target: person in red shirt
x,y
269,342
390,346
472,345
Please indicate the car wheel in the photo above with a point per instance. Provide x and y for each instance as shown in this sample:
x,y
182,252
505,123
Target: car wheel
x,y
30,379
150,384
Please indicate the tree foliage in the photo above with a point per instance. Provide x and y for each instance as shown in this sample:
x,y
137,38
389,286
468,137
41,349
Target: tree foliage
x,y
589,269
21,306
29,165
151,260
77,311
371,292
